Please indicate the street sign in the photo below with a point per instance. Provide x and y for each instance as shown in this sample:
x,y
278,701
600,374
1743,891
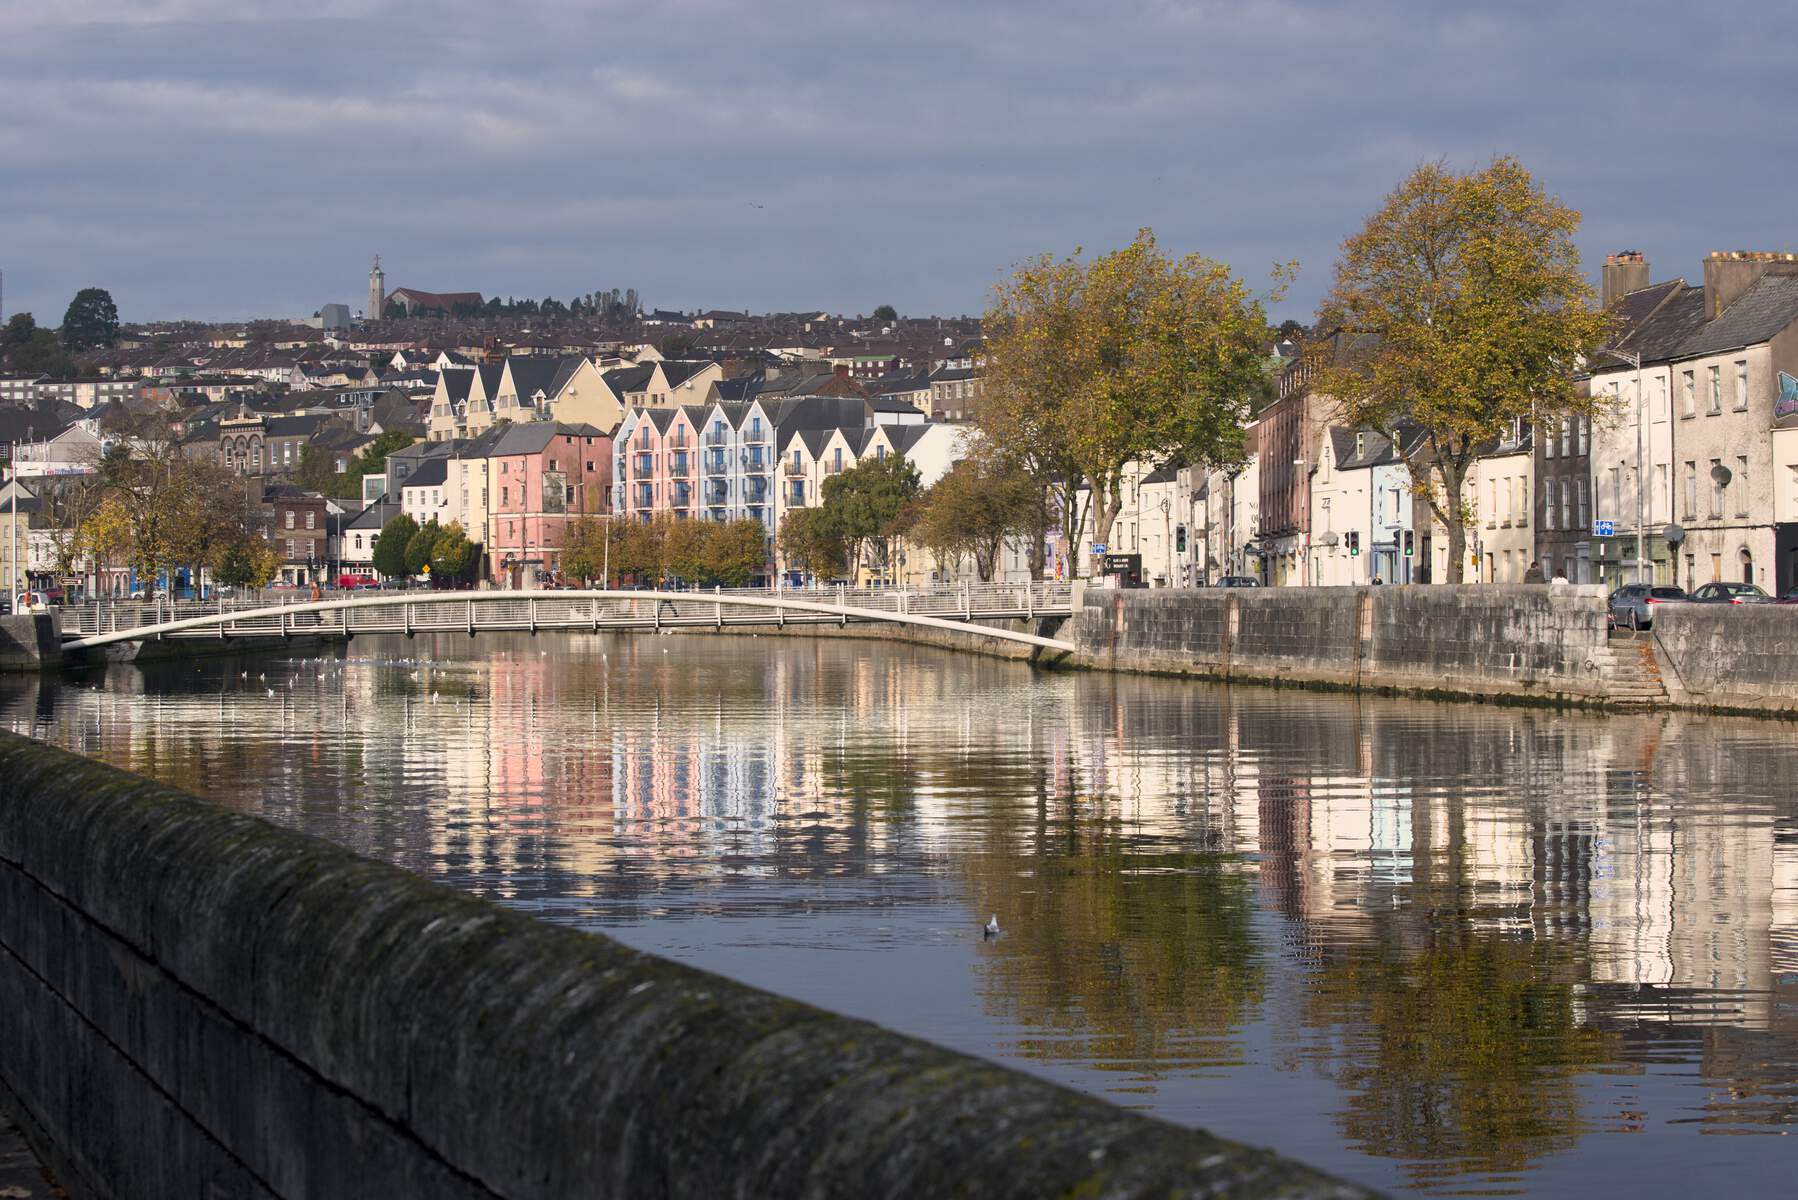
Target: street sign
x,y
1100,547
1604,529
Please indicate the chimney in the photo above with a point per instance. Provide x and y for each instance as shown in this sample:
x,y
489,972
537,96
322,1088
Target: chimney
x,y
1729,273
1624,272
840,370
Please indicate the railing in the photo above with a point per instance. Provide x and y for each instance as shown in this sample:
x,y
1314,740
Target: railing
x,y
791,469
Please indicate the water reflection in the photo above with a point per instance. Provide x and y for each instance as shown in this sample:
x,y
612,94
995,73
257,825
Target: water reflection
x,y
1446,948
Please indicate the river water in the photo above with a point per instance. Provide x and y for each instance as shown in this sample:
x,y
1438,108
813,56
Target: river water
x,y
1442,948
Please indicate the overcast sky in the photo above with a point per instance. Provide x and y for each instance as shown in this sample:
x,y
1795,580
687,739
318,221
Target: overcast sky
x,y
233,158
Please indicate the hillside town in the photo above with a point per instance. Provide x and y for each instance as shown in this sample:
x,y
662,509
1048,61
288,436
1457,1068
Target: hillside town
x,y
520,423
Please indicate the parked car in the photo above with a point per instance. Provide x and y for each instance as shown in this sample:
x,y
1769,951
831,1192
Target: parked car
x,y
1730,593
1632,605
1238,581
1790,597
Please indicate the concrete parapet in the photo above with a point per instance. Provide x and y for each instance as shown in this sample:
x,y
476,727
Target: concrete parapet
x,y
1524,641
199,1004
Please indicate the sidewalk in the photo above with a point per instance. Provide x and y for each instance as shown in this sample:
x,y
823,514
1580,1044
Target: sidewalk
x,y
21,1176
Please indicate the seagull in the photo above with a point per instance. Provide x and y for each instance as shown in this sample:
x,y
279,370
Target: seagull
x,y
433,697
992,927
245,675
271,692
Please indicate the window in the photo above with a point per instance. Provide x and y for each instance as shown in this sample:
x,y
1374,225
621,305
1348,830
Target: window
x,y
1548,445
289,515
552,464
1566,436
310,519
1741,485
1616,493
504,467
1585,512
1741,385
1585,434
1691,508
1510,499
1688,394
1716,489
505,495
1716,392
1491,503
1660,398
1566,504
1548,504
1658,501
589,461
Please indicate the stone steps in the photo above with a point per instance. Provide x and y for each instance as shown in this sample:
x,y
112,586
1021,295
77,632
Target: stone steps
x,y
1631,674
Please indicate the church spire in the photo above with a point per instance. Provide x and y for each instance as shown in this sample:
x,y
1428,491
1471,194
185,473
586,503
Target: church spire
x,y
377,291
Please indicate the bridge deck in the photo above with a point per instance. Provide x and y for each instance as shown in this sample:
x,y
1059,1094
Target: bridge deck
x,y
514,611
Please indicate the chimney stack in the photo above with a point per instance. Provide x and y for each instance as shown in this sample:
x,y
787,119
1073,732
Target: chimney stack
x,y
1624,272
1729,273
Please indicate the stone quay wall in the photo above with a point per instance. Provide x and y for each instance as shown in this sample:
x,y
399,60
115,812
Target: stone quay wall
x,y
195,1003
1741,657
30,642
1472,640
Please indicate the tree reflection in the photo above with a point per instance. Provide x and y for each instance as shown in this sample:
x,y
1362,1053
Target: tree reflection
x,y
1463,1056
1123,952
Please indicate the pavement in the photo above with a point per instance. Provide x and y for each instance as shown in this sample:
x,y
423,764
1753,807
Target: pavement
x,y
22,1177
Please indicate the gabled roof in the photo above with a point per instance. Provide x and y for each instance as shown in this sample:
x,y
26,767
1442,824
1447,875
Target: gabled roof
x,y
629,379
678,371
532,436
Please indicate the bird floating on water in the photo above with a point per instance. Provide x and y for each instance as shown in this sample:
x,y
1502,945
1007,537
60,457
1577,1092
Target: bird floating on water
x,y
992,927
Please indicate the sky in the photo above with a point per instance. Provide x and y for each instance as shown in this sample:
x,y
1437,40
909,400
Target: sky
x,y
231,159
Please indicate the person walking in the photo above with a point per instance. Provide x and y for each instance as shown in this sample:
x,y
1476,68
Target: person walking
x,y
1534,574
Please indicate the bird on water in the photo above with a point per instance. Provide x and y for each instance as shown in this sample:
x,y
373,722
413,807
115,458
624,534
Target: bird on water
x,y
992,927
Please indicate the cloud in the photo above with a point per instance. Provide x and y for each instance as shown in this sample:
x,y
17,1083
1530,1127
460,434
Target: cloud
x,y
234,159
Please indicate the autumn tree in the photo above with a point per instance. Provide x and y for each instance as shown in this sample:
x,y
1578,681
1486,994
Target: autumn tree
x,y
453,556
811,541
865,503
637,548
1133,356
974,509
737,552
684,550
421,546
1464,312
586,546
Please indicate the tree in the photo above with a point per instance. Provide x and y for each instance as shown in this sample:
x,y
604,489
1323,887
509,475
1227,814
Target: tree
x,y
812,541
92,321
886,312
585,549
370,460
17,331
391,544
676,345
453,556
866,501
421,546
974,509
737,552
1459,309
637,548
33,351
686,550
1132,357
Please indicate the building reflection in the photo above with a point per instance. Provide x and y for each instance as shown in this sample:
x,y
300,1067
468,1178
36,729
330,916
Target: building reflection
x,y
1455,913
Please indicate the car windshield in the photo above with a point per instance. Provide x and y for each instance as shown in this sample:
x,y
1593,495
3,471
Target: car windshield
x,y
1668,593
1739,589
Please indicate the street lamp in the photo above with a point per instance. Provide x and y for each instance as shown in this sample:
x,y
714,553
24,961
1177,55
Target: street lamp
x,y
1634,358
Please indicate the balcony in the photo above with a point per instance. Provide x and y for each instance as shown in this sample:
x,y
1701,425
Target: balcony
x,y
680,466
683,495
717,493
754,460
645,465
716,438
755,437
717,463
755,490
793,469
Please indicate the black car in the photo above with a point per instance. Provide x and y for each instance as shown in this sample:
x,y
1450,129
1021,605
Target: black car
x,y
1730,593
1238,581
1632,605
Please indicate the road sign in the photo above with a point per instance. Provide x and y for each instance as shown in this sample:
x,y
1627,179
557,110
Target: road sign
x,y
1604,529
1100,547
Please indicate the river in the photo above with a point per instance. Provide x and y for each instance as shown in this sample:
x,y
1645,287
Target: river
x,y
1437,948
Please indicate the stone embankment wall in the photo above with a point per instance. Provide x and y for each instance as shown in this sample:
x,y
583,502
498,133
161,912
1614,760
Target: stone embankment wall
x,y
1476,640
30,642
196,1004
1729,656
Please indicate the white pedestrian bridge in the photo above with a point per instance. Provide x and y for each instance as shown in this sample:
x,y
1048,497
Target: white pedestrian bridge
x,y
967,609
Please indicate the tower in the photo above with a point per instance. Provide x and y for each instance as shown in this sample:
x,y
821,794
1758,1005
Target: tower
x,y
377,291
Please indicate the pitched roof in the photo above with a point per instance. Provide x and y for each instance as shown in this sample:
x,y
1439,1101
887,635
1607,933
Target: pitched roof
x,y
1755,316
432,472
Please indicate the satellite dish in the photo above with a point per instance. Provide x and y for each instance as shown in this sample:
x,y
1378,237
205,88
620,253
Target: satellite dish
x,y
1329,539
1673,535
1720,475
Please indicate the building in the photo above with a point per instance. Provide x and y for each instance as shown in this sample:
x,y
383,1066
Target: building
x,y
300,533
377,293
541,477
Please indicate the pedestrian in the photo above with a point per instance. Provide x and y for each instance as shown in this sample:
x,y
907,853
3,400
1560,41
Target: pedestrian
x,y
1534,574
315,592
1377,581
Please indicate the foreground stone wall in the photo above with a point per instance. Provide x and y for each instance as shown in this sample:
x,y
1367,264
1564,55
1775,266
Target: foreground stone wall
x,y
1469,640
1730,656
194,1003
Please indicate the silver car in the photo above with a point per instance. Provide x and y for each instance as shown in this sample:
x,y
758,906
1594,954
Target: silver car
x,y
1632,605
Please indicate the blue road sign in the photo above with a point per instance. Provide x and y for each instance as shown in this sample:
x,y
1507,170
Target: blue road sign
x,y
1604,529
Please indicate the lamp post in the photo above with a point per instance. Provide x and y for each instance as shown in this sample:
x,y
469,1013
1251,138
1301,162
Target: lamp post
x,y
1634,358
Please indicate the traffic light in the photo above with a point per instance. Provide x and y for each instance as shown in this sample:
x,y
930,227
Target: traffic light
x,y
1180,539
1354,542
1409,551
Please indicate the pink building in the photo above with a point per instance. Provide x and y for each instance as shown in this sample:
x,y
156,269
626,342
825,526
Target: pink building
x,y
540,477
659,450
